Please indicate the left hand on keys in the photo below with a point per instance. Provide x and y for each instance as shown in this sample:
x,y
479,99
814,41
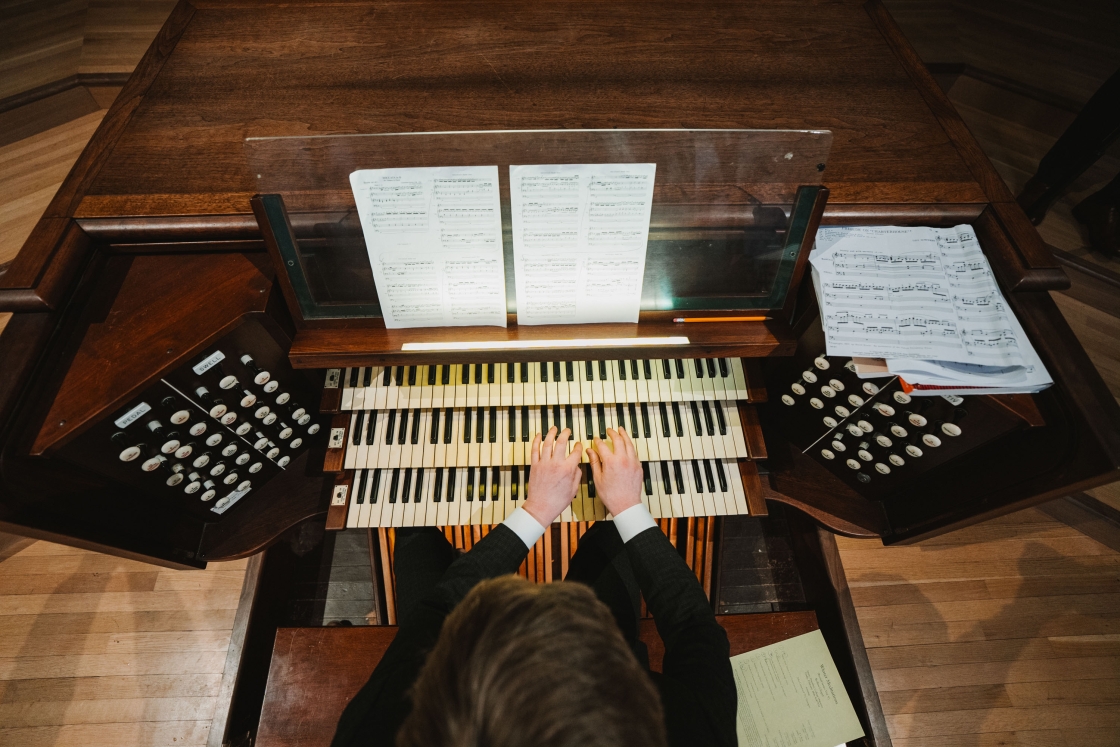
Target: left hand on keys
x,y
555,475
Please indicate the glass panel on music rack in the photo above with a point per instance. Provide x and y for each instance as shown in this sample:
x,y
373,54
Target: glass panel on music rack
x,y
725,227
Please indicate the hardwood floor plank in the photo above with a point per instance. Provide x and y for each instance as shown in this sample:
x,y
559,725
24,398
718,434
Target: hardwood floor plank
x,y
961,652
36,604
1012,695
99,665
70,583
120,710
885,593
148,734
191,580
993,673
109,687
146,642
49,625
1004,719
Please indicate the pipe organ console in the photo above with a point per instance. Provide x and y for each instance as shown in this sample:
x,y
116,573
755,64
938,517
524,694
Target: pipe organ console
x,y
197,363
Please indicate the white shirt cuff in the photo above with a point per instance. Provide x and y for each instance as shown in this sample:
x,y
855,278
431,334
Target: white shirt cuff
x,y
526,527
633,521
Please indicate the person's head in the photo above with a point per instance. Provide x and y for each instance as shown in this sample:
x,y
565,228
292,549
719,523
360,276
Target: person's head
x,y
519,664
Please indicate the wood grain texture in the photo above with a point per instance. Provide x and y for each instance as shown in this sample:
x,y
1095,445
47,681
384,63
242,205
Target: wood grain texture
x,y
96,650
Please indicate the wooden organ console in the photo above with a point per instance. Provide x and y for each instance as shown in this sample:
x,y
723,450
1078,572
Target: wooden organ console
x,y
171,391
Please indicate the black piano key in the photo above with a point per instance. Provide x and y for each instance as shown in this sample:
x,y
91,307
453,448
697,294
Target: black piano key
x,y
525,423
619,415
556,419
602,413
493,425
375,487
432,375
667,487
711,364
544,371
622,370
680,368
677,419
665,368
450,495
448,423
708,476
588,424
556,371
696,476
645,421
524,372
360,496
481,484
699,429
664,419
371,426
568,418
495,483
412,375
720,419
569,371
647,372
478,373
634,370
407,487
389,427
387,377
445,378
512,424
678,477
590,480
480,426
465,376
358,422
514,482
489,373
722,477
589,367
402,434
634,432
647,481
438,489
699,363
418,490
368,378
724,369
466,425
470,484
510,369
393,485
400,375
602,370
415,426
544,420
354,377
708,419
434,437
525,491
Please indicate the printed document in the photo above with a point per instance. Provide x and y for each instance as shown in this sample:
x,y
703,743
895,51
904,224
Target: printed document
x,y
434,237
901,292
791,694
579,241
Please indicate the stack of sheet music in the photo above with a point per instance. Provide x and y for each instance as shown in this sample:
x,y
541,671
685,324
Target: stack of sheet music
x,y
922,304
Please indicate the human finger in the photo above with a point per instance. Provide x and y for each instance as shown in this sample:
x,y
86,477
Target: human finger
x,y
562,442
549,444
627,442
577,452
596,463
535,450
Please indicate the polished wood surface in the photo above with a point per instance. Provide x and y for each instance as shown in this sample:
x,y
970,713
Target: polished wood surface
x,y
316,671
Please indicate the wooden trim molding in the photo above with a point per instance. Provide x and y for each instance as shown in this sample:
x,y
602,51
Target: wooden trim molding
x,y
236,651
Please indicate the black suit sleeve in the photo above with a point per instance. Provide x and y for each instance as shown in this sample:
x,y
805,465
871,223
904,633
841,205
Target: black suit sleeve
x,y
377,711
697,677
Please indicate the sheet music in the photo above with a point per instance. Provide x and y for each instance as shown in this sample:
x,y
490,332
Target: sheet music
x,y
898,292
579,241
434,237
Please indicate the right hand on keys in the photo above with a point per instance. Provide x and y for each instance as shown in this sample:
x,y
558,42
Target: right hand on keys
x,y
617,472
554,479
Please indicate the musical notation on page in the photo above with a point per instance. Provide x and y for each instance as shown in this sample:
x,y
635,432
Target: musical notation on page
x,y
922,292
434,237
579,241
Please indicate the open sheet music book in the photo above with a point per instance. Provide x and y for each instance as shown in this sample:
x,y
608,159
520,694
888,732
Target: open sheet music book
x,y
923,299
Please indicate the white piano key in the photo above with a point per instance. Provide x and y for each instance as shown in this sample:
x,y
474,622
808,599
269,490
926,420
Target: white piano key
x,y
735,481
703,501
740,379
633,374
507,375
735,425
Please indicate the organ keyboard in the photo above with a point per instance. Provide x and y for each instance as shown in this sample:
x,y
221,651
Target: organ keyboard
x,y
449,445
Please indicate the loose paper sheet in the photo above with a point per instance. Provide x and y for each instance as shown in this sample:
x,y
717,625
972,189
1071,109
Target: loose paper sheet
x,y
434,237
579,241
791,694
898,292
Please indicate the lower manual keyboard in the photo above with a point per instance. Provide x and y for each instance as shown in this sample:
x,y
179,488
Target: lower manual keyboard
x,y
454,496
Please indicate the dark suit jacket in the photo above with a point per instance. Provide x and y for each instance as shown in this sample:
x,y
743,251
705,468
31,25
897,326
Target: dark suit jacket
x,y
697,687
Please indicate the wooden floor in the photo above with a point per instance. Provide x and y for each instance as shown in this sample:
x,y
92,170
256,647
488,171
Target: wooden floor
x,y
1003,634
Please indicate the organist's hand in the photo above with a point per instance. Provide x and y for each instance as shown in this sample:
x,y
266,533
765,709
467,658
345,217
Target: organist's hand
x,y
617,472
554,478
